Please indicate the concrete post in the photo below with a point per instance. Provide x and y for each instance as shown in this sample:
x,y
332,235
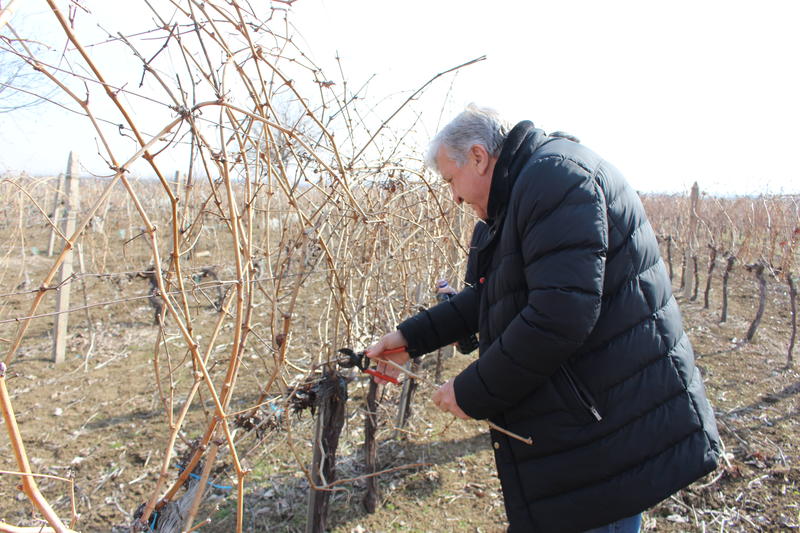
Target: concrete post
x,y
71,204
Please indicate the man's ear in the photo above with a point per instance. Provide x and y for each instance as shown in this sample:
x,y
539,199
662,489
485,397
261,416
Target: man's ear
x,y
479,157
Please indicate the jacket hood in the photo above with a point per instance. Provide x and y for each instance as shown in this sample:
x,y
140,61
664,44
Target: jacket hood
x,y
522,141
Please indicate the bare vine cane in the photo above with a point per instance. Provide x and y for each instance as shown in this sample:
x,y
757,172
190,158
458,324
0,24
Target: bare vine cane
x,y
29,486
492,425
266,158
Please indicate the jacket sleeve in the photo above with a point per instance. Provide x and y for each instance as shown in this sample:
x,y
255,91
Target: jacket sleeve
x,y
442,324
559,214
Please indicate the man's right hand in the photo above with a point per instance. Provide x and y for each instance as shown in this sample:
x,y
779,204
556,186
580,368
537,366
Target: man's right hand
x,y
391,340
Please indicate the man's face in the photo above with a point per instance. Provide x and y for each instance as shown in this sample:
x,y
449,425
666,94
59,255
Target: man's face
x,y
471,182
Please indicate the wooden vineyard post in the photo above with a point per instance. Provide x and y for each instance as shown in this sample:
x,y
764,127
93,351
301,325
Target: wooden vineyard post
x,y
56,213
409,386
330,419
762,299
793,310
712,263
371,448
695,278
688,253
71,203
728,267
683,271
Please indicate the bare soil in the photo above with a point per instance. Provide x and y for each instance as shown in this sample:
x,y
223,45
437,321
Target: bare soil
x,y
100,422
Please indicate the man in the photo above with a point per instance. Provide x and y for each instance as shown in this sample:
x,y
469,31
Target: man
x,y
581,341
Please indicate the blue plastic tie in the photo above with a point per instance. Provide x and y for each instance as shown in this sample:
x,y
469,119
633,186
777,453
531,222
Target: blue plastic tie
x,y
221,487
195,476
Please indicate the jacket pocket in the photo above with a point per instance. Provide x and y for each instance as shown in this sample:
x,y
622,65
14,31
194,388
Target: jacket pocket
x,y
581,393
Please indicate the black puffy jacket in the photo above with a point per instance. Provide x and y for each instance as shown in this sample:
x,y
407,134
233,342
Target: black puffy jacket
x,y
582,346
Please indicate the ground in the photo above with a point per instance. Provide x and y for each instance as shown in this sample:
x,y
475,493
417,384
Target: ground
x,y
101,422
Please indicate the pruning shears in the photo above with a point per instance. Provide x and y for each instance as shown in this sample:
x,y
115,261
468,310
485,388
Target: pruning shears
x,y
350,359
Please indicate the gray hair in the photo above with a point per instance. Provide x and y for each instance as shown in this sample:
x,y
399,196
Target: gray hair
x,y
473,126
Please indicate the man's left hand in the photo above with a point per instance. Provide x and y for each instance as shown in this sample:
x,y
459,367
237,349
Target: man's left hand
x,y
445,400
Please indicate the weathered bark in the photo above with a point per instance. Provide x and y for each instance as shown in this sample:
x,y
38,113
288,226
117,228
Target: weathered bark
x,y
793,307
758,268
728,267
712,263
696,277
330,419
372,496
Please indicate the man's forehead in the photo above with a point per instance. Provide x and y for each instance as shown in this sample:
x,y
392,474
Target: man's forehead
x,y
443,157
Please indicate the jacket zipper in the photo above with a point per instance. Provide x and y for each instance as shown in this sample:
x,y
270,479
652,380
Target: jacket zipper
x,y
581,392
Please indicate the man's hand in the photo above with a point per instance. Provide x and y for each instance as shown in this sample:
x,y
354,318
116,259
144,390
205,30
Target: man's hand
x,y
391,340
445,400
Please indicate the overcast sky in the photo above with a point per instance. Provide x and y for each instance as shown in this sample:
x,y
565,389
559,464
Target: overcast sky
x,y
669,92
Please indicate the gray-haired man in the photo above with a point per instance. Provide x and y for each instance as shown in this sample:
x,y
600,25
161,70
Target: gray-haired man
x,y
581,341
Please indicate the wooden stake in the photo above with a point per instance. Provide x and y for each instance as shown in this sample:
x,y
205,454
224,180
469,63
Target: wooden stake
x,y
71,205
372,496
669,256
688,252
712,262
762,299
728,267
404,412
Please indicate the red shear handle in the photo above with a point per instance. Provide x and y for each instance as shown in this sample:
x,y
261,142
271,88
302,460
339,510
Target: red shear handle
x,y
384,377
380,375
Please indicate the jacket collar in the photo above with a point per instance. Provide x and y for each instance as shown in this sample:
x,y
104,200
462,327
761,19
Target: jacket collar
x,y
521,142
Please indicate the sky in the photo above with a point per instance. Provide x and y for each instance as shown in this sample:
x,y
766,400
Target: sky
x,y
669,92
